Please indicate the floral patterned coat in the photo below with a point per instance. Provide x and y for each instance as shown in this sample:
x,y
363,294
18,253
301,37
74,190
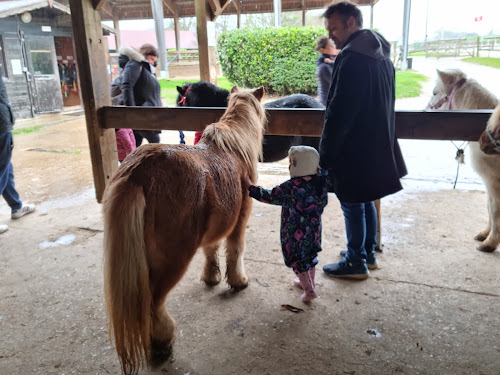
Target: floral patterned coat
x,y
302,200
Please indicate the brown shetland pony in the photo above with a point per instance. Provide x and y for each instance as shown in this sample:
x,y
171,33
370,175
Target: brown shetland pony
x,y
163,203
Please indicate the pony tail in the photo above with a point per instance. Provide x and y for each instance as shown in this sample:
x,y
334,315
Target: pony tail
x,y
126,274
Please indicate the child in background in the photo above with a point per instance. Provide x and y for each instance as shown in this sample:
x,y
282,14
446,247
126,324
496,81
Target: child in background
x,y
303,199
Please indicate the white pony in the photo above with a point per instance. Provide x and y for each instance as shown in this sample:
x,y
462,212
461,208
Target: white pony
x,y
454,91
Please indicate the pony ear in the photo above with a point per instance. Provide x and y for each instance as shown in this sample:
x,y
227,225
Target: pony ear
x,y
234,89
180,90
445,77
259,93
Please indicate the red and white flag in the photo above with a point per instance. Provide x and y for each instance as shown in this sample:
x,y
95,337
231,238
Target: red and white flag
x,y
477,19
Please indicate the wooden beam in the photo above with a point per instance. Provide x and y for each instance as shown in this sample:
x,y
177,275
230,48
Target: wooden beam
x,y
116,25
108,9
94,90
170,5
98,4
438,125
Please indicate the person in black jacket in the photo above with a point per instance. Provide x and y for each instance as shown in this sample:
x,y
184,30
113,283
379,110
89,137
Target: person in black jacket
x,y
139,84
324,66
358,145
7,186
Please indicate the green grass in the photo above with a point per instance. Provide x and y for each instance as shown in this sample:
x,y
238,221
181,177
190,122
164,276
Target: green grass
x,y
169,88
26,130
409,84
486,61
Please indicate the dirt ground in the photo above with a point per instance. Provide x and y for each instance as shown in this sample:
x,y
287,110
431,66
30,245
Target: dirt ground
x,y
431,308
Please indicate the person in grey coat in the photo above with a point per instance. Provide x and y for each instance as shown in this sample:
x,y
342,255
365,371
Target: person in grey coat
x,y
7,186
358,145
139,84
324,66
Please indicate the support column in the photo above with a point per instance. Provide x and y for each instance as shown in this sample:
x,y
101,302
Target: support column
x,y
303,12
94,85
406,32
371,16
157,8
237,5
277,13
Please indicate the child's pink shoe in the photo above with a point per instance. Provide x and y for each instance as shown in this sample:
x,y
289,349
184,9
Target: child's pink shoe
x,y
308,286
312,272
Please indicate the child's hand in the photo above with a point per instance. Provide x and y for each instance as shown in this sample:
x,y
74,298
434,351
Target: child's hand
x,y
328,61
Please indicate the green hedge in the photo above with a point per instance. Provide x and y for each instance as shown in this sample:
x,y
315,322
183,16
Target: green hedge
x,y
283,60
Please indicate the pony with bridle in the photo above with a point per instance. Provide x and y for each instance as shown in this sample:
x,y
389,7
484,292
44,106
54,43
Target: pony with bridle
x,y
275,147
163,203
454,91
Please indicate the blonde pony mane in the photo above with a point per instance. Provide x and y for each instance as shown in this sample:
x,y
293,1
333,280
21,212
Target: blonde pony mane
x,y
494,120
241,128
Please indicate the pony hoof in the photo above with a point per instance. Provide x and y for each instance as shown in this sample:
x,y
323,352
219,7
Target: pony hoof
x,y
486,248
239,287
161,351
480,237
211,282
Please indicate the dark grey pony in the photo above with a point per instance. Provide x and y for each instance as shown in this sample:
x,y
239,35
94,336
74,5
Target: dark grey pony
x,y
275,147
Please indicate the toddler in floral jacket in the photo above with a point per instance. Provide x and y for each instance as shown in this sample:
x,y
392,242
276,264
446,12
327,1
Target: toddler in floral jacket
x,y
303,199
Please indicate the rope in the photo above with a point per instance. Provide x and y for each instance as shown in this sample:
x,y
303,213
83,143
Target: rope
x,y
459,157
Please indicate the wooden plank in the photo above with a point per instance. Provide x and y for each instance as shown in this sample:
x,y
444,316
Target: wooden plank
x,y
94,85
438,125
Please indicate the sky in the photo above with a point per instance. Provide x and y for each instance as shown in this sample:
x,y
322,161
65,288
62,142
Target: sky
x,y
454,15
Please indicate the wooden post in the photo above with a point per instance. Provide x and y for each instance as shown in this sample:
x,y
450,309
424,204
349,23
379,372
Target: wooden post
x,y
94,84
379,225
206,42
177,35
157,8
201,29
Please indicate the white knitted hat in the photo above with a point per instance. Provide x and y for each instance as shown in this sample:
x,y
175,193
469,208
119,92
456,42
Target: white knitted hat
x,y
304,161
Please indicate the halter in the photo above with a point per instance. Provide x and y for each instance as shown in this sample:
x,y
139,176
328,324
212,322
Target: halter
x,y
493,140
183,99
448,98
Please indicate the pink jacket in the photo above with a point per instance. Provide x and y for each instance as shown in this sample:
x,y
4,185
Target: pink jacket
x,y
125,142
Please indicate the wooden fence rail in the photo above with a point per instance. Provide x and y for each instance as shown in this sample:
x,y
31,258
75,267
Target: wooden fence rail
x,y
430,125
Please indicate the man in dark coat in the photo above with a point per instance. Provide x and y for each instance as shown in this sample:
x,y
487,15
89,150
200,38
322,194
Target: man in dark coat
x,y
358,145
7,187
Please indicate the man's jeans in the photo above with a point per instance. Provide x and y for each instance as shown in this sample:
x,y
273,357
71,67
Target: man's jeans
x,y
7,187
361,227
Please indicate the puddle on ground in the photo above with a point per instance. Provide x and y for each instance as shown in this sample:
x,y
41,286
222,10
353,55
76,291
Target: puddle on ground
x,y
63,240
374,332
